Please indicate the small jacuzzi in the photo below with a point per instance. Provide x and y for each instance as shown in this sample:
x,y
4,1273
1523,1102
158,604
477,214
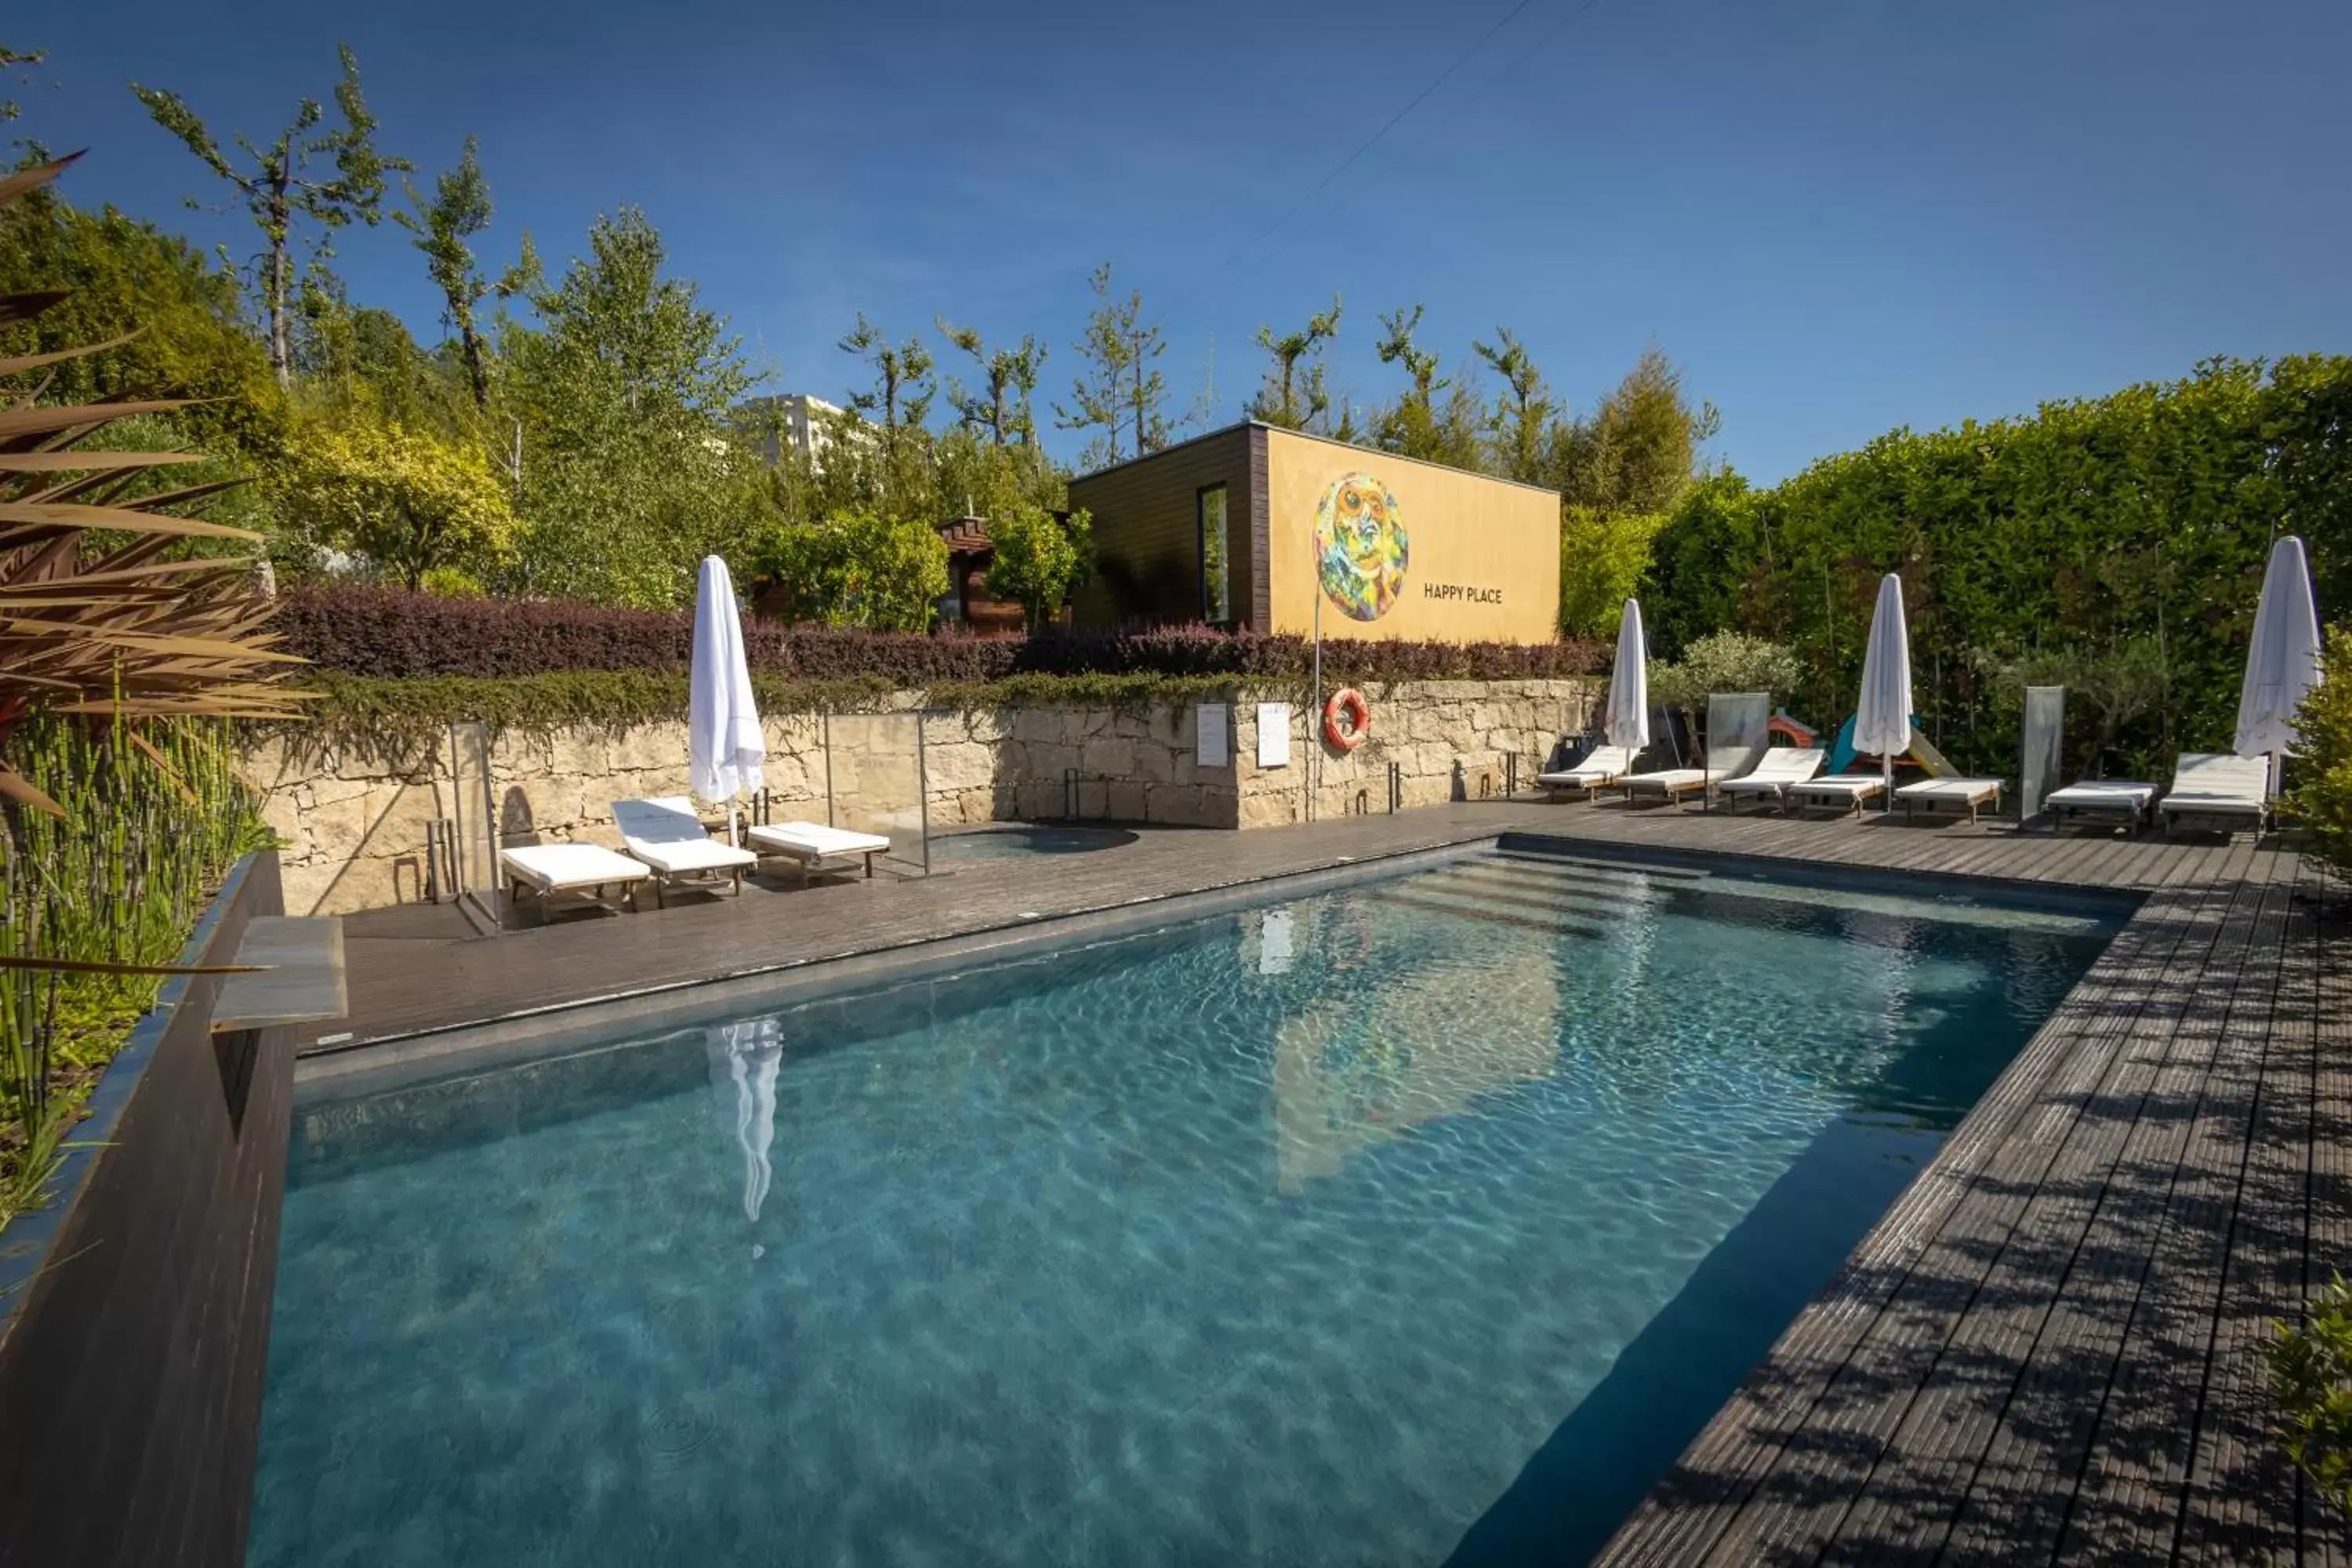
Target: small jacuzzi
x,y
1021,839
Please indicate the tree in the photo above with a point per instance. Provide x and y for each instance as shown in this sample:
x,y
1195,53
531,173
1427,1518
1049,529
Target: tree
x,y
857,569
361,359
182,318
902,389
1602,555
1009,377
406,498
279,190
1036,559
459,210
1639,450
1120,393
1417,425
1522,417
626,393
12,63
1287,399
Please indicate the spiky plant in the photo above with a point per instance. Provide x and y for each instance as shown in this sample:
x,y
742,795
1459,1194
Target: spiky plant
x,y
117,656
93,619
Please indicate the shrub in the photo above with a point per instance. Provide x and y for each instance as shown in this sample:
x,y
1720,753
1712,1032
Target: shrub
x,y
1723,661
858,569
2311,1378
2323,796
365,629
2148,513
1036,558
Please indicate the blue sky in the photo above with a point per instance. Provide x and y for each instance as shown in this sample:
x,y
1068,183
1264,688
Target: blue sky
x,y
1839,216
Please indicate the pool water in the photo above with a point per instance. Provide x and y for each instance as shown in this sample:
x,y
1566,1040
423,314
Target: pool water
x,y
1422,1220
1008,843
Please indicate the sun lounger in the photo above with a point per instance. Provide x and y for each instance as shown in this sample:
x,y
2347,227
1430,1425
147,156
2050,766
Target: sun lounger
x,y
2214,785
2101,797
1955,796
665,833
812,842
1842,791
1597,771
1782,767
1672,783
583,869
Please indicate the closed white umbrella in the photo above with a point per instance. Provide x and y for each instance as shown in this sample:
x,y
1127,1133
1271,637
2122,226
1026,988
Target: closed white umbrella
x,y
725,745
744,1061
1626,721
1881,724
2282,665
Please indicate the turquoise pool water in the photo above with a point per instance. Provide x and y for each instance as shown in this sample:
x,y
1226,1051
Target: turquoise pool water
x,y
1422,1220
1044,838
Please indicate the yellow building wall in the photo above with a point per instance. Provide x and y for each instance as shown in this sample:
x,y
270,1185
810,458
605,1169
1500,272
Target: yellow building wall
x,y
1480,557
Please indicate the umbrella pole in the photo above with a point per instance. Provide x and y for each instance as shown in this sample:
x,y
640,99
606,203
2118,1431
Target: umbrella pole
x,y
1886,784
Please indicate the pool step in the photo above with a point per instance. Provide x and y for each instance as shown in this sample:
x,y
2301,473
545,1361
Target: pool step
x,y
1504,874
1464,908
1591,866
1601,903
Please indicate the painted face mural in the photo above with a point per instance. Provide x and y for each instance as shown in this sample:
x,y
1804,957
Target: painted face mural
x,y
1359,541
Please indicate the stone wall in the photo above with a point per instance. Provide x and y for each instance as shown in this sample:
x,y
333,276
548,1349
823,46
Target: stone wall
x,y
354,821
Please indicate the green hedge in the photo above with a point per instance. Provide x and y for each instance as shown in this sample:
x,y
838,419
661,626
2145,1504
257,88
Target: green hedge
x,y
2140,521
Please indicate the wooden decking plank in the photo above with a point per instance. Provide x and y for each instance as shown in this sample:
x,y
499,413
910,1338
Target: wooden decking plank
x,y
2008,1240
2133,1475
2327,1530
2015,1501
1698,1505
1914,1492
2241,1498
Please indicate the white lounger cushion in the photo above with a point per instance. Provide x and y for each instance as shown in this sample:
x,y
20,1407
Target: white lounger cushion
x,y
1781,766
1605,763
1667,779
1839,786
2213,783
815,840
2102,794
563,867
665,833
1962,792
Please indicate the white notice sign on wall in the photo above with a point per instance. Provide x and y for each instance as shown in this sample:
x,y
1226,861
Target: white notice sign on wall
x,y
1213,734
1273,734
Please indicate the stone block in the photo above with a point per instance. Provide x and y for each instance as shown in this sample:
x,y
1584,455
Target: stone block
x,y
1125,800
1108,756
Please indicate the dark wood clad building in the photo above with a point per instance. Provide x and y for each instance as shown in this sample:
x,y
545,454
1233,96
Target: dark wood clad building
x,y
1152,517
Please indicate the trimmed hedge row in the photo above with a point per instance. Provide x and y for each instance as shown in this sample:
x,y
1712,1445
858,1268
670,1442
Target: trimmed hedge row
x,y
387,633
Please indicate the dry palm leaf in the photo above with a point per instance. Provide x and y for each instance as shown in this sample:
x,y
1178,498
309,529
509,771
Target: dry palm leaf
x,y
129,635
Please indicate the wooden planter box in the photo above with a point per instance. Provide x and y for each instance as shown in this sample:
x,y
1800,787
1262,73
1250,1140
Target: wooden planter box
x,y
134,1310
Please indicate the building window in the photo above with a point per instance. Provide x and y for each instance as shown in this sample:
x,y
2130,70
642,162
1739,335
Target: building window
x,y
1216,559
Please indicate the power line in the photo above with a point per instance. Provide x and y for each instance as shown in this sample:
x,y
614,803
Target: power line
x,y
1487,94
1365,146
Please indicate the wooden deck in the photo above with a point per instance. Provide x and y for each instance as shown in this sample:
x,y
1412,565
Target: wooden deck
x,y
2047,1351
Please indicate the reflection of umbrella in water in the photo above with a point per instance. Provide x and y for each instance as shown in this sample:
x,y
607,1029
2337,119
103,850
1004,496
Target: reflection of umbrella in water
x,y
745,1056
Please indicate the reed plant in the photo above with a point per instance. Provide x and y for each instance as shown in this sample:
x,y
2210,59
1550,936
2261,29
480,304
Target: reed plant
x,y
155,814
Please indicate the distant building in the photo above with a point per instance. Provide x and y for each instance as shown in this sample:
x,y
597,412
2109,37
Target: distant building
x,y
1254,527
794,422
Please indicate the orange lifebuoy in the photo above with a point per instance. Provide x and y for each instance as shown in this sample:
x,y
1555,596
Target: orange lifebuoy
x,y
1350,701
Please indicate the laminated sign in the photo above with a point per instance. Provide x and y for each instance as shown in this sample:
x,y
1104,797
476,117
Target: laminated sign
x,y
1213,734
1273,734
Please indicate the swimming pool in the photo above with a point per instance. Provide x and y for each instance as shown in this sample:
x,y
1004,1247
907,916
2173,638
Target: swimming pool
x,y
1418,1219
